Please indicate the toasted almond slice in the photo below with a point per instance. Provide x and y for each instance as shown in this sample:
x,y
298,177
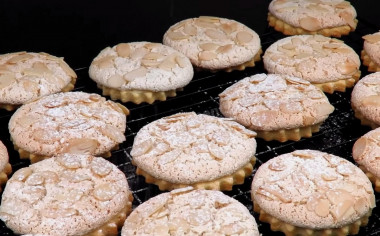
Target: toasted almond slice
x,y
347,68
181,61
297,41
224,49
150,46
81,146
331,45
216,34
359,149
105,192
123,50
190,30
302,55
343,5
317,7
177,35
243,37
323,109
132,75
169,63
289,46
105,62
113,133
153,56
115,81
141,148
229,28
207,56
150,63
138,53
349,18
208,46
6,79
342,50
372,100
20,58
310,23
66,68
211,19
30,85
372,38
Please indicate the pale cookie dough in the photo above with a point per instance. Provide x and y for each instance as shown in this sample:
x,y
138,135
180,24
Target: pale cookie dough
x,y
215,43
191,212
68,194
366,152
187,149
310,192
140,71
325,62
326,17
365,100
5,167
277,107
25,76
371,52
74,122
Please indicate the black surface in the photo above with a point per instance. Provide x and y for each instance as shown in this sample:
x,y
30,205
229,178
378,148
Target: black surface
x,y
79,30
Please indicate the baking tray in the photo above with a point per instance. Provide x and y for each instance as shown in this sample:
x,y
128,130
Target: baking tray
x,y
336,136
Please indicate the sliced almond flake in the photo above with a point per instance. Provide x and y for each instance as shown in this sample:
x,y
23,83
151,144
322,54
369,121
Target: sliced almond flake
x,y
81,146
323,109
153,56
22,174
331,45
343,4
115,81
134,74
345,169
221,137
68,161
181,190
372,100
342,50
288,46
58,212
177,35
151,46
224,49
347,68
207,56
291,107
181,61
105,192
190,30
349,18
296,41
66,68
123,50
302,55
101,167
267,190
277,165
372,38
41,68
6,80
113,133
35,179
232,229
30,85
210,19
302,154
296,80
359,149
314,94
150,63
216,34
322,208
228,28
310,23
20,58
105,62
216,151
329,177
138,53
169,157
243,37
169,63
208,46
141,147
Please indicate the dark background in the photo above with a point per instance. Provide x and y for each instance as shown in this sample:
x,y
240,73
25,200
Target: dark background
x,y
78,30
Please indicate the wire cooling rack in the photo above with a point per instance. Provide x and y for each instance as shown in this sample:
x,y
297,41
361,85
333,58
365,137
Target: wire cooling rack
x,y
336,136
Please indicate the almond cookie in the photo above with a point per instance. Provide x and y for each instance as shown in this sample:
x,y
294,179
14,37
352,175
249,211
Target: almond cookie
x,y
25,76
68,194
371,52
277,107
187,149
5,167
366,152
214,43
325,17
72,122
141,72
365,100
191,212
310,192
327,63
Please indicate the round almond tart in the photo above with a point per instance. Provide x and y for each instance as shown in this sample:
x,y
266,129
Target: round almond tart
x,y
201,151
141,72
327,63
68,194
325,17
71,122
214,43
309,192
277,107
371,52
26,76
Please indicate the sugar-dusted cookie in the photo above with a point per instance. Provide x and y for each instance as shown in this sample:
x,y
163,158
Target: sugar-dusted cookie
x,y
366,152
187,149
371,52
308,192
141,72
327,63
5,167
365,100
68,194
74,122
214,43
191,212
25,76
325,17
277,107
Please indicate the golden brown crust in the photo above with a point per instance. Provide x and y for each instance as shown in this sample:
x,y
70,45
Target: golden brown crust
x,y
339,85
363,120
367,61
137,96
111,228
284,135
287,29
290,230
224,183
